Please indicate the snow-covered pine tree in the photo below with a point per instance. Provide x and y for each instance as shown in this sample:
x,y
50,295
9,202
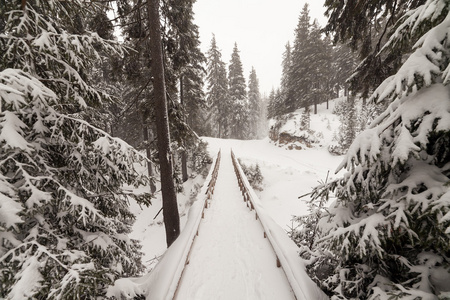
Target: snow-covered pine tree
x,y
254,101
64,184
194,96
317,72
217,91
271,107
348,127
305,119
344,61
365,27
298,84
388,232
286,65
239,110
275,106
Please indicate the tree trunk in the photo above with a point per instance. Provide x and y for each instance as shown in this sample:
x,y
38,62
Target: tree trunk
x,y
184,171
315,105
169,196
149,156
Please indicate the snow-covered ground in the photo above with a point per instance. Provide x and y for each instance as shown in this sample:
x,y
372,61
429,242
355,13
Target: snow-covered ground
x,y
230,251
149,228
287,174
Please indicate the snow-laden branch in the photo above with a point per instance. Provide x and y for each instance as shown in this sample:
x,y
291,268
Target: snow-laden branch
x,y
428,63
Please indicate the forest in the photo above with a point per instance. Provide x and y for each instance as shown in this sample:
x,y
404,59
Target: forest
x,y
94,92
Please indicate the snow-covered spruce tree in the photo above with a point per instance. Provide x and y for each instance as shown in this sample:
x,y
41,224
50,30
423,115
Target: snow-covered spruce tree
x,y
348,115
254,103
239,109
388,232
298,83
217,92
318,58
64,214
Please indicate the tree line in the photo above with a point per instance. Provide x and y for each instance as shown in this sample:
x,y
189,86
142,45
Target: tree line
x,y
313,69
234,111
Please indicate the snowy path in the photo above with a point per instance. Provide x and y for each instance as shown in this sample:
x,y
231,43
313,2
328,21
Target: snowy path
x,y
230,258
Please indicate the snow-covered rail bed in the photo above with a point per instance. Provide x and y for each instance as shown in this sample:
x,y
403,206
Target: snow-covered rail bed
x,y
230,258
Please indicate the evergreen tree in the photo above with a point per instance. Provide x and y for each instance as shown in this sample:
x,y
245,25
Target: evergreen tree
x,y
194,96
299,84
348,128
305,119
286,65
306,78
217,91
318,70
183,69
387,234
239,112
263,120
254,99
343,64
64,215
186,59
169,197
365,26
271,105
179,42
276,102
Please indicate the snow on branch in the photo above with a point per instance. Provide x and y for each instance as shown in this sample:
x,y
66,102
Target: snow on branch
x,y
428,63
62,193
33,43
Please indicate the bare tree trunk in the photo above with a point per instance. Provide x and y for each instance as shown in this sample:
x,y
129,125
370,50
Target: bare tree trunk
x,y
184,171
149,156
169,196
315,105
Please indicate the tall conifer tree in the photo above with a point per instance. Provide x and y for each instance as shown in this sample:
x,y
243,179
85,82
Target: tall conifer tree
x,y
238,96
299,84
254,100
192,85
169,197
217,91
318,71
286,65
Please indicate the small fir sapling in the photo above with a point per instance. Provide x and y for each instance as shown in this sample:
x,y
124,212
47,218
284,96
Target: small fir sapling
x,y
254,175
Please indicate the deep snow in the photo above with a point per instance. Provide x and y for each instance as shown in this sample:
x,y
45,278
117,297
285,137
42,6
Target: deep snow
x,y
287,174
230,259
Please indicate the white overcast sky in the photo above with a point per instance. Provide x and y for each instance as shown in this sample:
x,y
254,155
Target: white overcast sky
x,y
260,28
